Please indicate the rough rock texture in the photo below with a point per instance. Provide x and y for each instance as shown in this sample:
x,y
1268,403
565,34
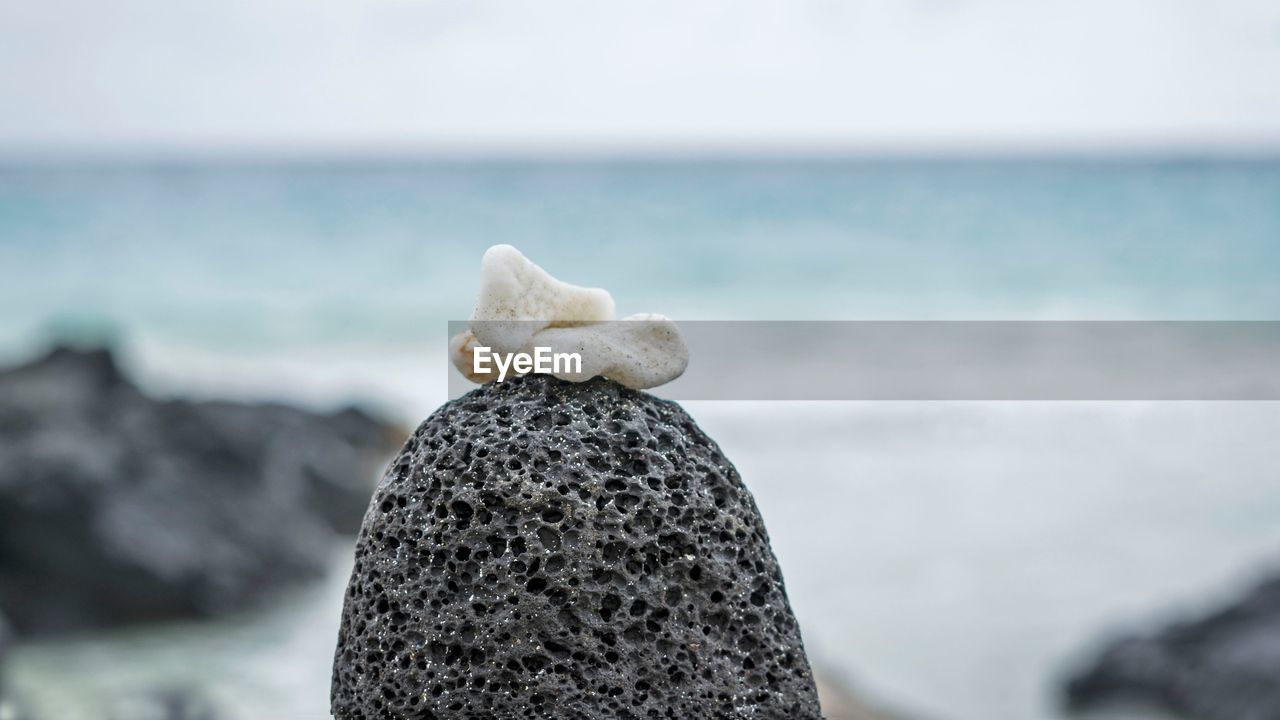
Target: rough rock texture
x,y
116,507
1225,666
542,549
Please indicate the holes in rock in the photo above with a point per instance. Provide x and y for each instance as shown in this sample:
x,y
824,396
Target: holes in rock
x,y
545,533
549,538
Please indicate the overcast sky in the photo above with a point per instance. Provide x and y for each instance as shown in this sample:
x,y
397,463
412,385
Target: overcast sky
x,y
489,74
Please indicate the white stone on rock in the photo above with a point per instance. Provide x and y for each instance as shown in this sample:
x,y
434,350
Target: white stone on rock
x,y
461,353
639,351
517,298
521,307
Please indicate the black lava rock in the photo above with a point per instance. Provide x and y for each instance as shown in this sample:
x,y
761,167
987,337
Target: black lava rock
x,y
116,507
544,549
1225,666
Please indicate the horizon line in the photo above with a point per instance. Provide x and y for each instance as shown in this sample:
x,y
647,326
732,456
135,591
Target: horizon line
x,y
473,152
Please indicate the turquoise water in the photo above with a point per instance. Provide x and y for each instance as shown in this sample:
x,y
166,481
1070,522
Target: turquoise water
x,y
950,558
250,257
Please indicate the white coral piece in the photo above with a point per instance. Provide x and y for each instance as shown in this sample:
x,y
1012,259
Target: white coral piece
x,y
517,298
521,307
639,351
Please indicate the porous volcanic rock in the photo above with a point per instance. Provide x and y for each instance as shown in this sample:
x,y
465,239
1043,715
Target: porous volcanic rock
x,y
1224,666
544,549
116,507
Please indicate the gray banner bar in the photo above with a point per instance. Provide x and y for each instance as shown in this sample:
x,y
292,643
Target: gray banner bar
x,y
999,360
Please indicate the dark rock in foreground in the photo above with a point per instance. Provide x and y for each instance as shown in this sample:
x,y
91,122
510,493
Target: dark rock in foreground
x,y
1225,666
116,507
542,549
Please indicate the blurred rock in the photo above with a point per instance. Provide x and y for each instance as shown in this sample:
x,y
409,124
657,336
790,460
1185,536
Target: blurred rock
x,y
116,507
1225,666
544,549
10,708
4,654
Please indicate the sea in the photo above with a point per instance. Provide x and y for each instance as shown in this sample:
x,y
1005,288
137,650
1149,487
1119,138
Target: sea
x,y
947,560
